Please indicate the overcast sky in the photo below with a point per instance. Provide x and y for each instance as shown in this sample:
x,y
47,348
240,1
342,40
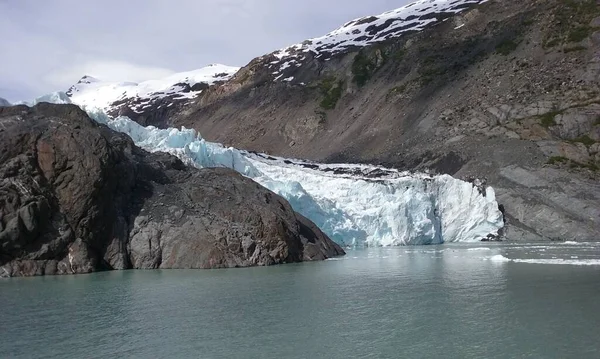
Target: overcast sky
x,y
47,45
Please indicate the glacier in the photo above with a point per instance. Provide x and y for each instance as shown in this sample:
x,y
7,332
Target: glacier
x,y
356,205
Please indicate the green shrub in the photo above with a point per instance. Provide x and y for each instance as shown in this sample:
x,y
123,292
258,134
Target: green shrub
x,y
429,74
551,43
322,116
557,159
579,33
547,119
331,89
570,22
398,89
506,47
594,167
528,22
362,68
399,55
586,140
590,166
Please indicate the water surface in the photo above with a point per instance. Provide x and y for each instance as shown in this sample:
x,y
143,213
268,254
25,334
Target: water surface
x,y
451,301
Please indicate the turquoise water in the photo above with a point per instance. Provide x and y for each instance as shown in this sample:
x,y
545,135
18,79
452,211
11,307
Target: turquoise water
x,y
452,301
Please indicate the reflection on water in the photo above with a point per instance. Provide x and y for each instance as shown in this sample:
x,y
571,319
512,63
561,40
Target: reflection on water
x,y
451,301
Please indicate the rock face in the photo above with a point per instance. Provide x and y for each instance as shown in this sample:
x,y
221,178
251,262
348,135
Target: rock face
x,y
506,90
77,197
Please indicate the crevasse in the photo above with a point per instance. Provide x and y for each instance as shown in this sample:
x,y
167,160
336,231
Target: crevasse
x,y
351,206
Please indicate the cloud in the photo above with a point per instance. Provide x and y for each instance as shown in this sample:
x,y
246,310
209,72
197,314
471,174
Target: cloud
x,y
48,45
108,70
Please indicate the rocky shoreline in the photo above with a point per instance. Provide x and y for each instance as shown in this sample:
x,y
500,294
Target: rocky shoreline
x,y
77,197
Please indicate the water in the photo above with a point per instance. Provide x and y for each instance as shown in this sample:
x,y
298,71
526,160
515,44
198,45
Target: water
x,y
448,301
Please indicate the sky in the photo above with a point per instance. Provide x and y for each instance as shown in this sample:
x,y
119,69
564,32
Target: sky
x,y
49,45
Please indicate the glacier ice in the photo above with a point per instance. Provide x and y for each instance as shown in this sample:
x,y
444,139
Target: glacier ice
x,y
348,202
55,97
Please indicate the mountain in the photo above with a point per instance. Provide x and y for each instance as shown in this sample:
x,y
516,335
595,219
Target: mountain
x,y
3,102
151,99
504,90
79,197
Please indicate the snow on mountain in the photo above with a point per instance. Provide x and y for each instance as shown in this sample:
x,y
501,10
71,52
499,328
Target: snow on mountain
x,y
92,92
365,31
4,102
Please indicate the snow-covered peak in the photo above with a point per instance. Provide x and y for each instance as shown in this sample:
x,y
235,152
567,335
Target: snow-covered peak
x,y
92,92
4,102
87,80
365,31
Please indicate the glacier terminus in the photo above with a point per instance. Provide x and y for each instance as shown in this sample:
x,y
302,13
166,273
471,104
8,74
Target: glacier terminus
x,y
356,205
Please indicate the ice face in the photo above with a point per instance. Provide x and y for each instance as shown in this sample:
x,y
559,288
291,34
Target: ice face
x,y
55,97
348,202
398,209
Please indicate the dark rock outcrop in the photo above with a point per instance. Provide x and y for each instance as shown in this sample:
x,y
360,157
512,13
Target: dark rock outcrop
x,y
77,197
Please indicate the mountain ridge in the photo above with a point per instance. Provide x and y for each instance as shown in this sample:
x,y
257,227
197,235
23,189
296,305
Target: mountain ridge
x,y
502,90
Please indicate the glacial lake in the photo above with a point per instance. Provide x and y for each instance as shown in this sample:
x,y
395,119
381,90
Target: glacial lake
x,y
538,300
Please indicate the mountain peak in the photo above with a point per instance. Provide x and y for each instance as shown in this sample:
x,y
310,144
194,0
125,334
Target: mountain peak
x,y
86,79
182,86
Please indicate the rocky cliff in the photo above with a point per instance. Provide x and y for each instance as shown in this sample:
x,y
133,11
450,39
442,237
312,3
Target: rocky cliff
x,y
77,197
506,90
